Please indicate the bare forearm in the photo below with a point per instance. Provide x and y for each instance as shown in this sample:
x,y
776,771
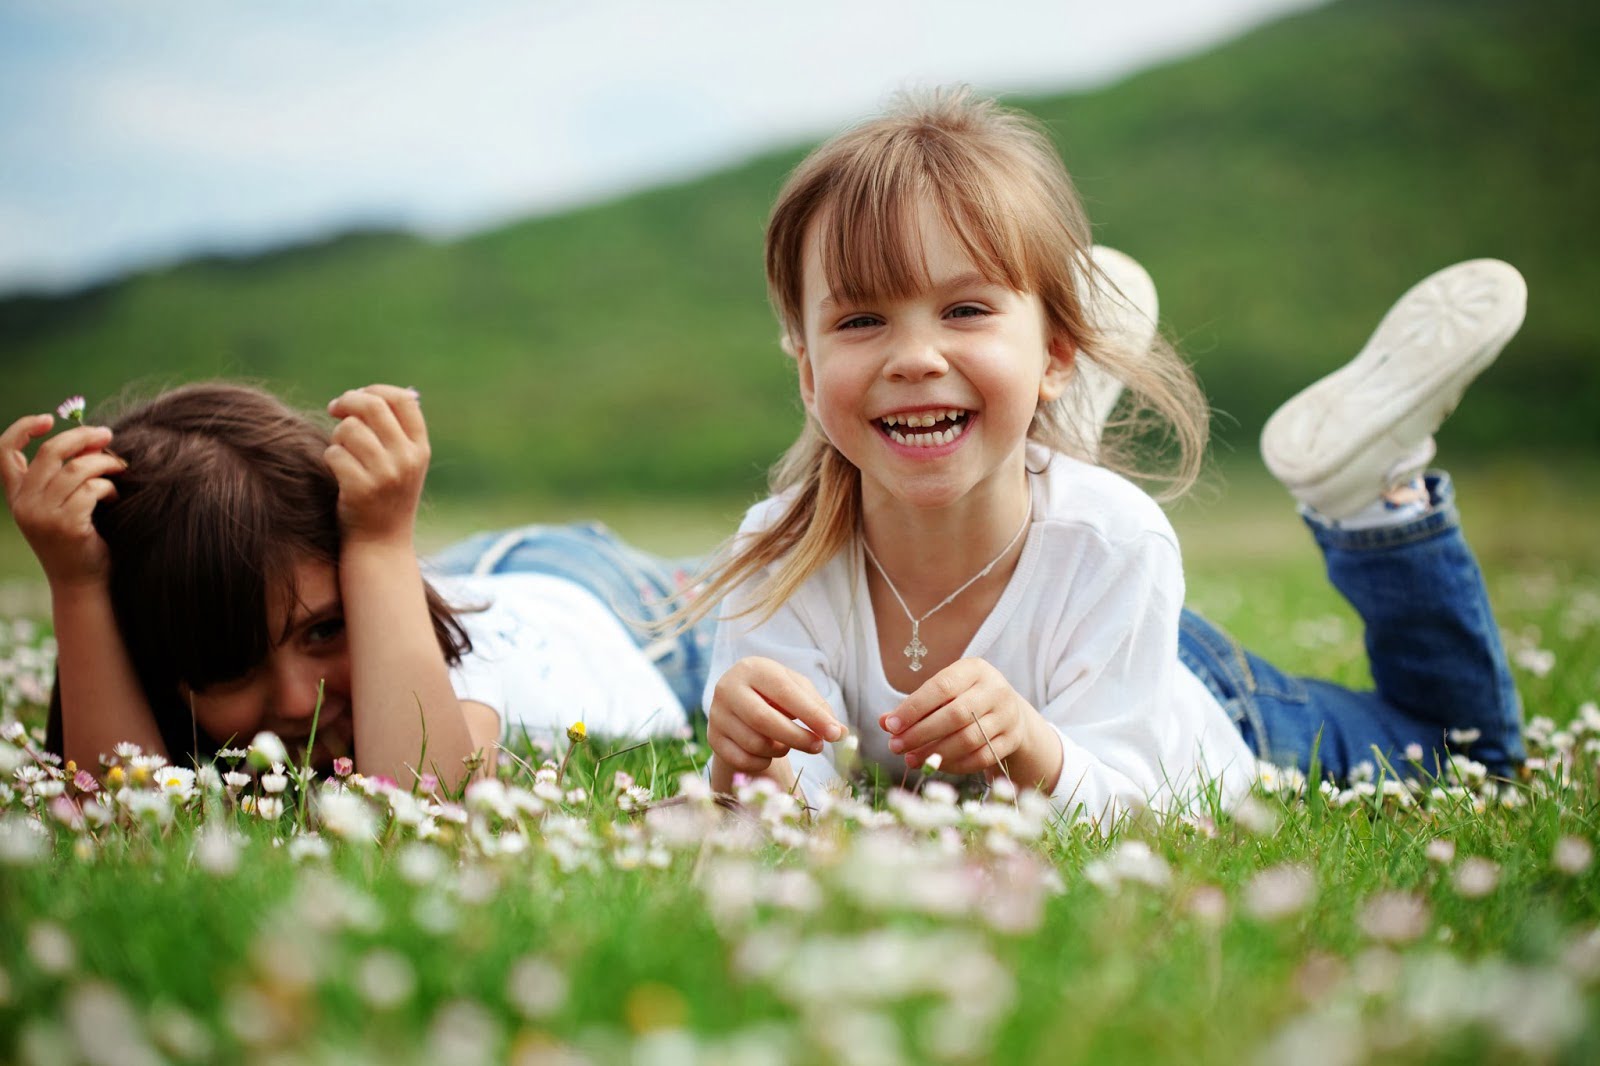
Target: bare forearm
x,y
102,702
403,700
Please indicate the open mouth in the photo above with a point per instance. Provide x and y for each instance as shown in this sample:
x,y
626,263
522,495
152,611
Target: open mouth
x,y
925,429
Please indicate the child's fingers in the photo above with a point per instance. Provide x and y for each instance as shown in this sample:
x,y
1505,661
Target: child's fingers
x,y
982,757
966,750
19,433
347,470
55,452
934,727
932,694
13,464
731,742
373,407
736,757
794,695
72,474
775,721
749,740
406,406
81,504
356,436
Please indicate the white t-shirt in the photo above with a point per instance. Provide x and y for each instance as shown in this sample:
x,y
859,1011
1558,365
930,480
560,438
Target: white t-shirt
x,y
547,653
1086,631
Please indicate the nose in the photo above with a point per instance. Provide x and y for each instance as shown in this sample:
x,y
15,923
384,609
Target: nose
x,y
914,356
295,690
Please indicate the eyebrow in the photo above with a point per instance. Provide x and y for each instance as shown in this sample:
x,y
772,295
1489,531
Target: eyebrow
x,y
971,279
309,617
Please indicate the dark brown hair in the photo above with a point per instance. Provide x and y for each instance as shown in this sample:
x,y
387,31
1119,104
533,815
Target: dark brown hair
x,y
226,491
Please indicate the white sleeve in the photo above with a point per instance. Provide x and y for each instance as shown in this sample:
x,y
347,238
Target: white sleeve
x,y
1126,740
795,636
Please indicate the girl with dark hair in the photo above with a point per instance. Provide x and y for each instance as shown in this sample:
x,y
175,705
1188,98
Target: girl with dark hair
x,y
221,564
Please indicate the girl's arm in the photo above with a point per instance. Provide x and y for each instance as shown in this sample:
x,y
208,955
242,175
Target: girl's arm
x,y
408,720
53,500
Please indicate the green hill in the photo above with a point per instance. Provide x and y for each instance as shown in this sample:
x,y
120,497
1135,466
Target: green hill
x,y
1282,189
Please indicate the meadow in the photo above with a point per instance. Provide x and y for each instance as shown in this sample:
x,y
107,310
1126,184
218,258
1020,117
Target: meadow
x,y
602,907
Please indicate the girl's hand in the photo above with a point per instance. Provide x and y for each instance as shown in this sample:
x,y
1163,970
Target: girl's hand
x,y
756,716
970,716
53,497
380,457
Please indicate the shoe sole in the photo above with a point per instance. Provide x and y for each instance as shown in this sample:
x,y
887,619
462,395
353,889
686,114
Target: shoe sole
x,y
1126,317
1335,443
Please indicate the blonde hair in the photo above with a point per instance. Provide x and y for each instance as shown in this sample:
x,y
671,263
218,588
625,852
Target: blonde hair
x,y
996,180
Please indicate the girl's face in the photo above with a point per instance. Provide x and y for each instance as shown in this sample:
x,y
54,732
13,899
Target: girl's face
x,y
280,692
930,396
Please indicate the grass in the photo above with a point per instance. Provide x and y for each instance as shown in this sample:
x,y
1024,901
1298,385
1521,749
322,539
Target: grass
x,y
1326,927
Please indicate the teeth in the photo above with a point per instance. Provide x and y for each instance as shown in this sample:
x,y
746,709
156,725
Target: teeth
x,y
927,440
923,419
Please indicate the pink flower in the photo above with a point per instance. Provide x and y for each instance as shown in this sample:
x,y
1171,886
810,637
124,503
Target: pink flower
x,y
72,408
84,782
342,766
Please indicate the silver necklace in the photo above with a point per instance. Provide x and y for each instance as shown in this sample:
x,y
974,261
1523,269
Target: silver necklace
x,y
916,649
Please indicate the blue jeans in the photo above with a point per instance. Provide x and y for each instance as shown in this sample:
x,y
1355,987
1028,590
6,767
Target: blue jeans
x,y
1432,641
639,588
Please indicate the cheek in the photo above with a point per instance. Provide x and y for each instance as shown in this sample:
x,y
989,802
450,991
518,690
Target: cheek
x,y
236,715
839,390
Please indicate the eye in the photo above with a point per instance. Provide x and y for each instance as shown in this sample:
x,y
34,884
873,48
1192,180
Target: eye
x,y
859,322
968,311
323,632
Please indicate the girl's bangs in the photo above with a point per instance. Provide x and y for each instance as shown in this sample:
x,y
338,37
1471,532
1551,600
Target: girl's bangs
x,y
870,235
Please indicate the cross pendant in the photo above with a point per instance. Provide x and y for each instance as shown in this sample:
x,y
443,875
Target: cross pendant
x,y
915,650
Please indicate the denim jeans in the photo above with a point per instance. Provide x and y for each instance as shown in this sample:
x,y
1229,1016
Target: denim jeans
x,y
1432,641
639,588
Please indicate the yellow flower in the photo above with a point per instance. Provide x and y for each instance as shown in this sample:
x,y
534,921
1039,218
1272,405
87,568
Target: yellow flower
x,y
577,733
114,776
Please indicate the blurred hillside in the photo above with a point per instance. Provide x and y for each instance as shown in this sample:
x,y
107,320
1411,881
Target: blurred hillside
x,y
1282,190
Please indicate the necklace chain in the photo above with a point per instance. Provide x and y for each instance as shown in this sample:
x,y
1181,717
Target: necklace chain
x,y
916,650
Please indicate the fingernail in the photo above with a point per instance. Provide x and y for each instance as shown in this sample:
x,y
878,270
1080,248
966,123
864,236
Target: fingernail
x,y
415,395
896,744
892,724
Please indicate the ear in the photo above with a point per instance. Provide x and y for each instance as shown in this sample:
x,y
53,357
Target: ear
x,y
1060,353
808,381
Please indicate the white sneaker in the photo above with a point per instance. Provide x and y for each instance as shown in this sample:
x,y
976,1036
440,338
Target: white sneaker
x,y
1341,443
1125,316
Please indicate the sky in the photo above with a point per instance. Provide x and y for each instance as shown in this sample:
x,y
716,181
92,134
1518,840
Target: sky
x,y
136,132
